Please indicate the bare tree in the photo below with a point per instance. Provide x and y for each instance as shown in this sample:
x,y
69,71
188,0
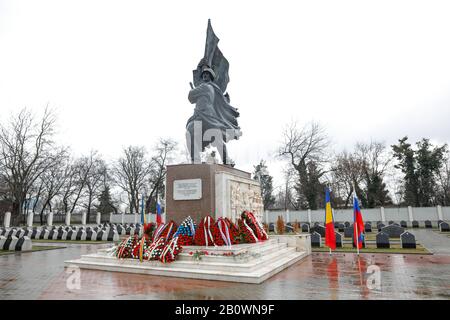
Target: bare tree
x,y
26,151
131,173
94,181
51,183
305,150
163,152
347,172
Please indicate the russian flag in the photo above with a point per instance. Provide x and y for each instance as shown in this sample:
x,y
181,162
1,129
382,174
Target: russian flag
x,y
158,211
330,236
358,223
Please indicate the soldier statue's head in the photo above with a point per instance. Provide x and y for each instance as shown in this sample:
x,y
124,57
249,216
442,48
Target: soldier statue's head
x,y
208,74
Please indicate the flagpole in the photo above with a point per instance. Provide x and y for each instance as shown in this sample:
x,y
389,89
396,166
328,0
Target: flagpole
x,y
355,224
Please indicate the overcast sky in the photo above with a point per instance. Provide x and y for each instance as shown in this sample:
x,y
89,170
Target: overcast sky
x,y
118,72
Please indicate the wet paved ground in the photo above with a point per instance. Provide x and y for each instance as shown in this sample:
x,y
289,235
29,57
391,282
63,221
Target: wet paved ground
x,y
41,275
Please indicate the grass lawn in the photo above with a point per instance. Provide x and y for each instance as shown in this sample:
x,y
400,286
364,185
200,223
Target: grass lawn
x,y
394,250
33,249
69,241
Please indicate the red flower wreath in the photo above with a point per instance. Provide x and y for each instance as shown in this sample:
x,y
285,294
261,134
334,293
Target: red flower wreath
x,y
204,235
222,233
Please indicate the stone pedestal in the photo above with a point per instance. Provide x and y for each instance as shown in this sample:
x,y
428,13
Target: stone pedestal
x,y
198,190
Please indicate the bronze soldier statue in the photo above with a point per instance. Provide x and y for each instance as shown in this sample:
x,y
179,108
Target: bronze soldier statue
x,y
214,121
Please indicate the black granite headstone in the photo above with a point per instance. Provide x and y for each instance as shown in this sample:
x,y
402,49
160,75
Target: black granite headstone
x,y
319,229
338,240
428,224
380,226
368,227
382,240
60,234
271,228
347,224
341,227
408,240
415,224
100,235
305,228
391,222
315,239
348,232
19,244
403,224
393,231
111,234
444,227
7,243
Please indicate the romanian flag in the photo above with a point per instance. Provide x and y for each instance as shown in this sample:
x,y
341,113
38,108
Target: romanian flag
x,y
330,236
358,224
158,212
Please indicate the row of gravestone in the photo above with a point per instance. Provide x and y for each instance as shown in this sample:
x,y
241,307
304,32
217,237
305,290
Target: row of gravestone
x,y
14,239
407,240
64,233
305,227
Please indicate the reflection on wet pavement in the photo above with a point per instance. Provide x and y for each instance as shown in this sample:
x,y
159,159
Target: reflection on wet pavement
x,y
41,275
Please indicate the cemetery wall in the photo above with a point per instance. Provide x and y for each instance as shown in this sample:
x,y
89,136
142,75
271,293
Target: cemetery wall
x,y
341,215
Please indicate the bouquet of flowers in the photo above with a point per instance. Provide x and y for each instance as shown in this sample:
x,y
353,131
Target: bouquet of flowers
x,y
235,234
186,232
125,248
205,231
155,249
140,249
251,228
222,233
170,251
149,228
165,231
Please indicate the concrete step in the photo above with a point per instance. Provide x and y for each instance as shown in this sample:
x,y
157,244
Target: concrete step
x,y
230,264
245,276
266,249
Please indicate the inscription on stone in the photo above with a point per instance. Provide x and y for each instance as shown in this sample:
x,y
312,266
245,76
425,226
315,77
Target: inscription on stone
x,y
187,189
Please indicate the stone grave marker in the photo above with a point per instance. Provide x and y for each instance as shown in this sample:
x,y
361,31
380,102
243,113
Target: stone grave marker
x,y
44,234
380,226
403,224
415,224
319,229
408,240
341,227
393,231
348,232
62,234
113,235
81,235
382,240
391,222
305,228
315,240
2,242
368,227
444,227
428,224
347,224
91,235
338,240
23,244
271,228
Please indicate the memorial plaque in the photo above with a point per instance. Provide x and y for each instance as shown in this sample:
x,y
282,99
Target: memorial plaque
x,y
187,189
